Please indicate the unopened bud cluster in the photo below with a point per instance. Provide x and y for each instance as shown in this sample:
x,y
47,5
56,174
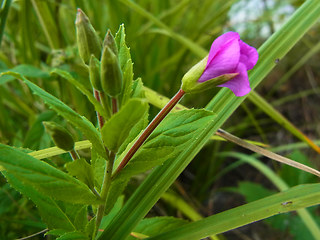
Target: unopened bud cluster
x,y
102,59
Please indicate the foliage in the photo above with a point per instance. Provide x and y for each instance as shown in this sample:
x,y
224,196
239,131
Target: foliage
x,y
44,79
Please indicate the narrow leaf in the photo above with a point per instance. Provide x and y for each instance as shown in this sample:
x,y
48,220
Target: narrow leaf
x,y
290,200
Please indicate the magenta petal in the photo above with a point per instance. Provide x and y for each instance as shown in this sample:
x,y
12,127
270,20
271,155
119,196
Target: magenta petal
x,y
220,41
225,61
239,85
248,55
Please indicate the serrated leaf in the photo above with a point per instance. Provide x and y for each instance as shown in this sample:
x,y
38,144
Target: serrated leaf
x,y
52,212
123,50
83,124
119,126
168,140
157,225
66,75
82,170
45,178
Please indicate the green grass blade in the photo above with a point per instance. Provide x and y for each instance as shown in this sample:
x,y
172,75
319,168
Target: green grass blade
x,y
47,22
224,104
5,6
185,41
290,200
279,118
282,186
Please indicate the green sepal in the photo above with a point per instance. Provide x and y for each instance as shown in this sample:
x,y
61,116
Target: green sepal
x,y
110,42
87,38
60,136
111,75
94,73
190,82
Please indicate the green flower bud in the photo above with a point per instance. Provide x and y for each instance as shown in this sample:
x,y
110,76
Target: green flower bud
x,y
111,76
110,42
87,38
94,73
190,83
60,136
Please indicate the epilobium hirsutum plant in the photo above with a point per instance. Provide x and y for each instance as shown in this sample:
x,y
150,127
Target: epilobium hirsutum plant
x,y
85,199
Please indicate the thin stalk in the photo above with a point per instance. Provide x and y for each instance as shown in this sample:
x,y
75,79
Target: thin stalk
x,y
149,129
74,154
114,105
105,189
99,117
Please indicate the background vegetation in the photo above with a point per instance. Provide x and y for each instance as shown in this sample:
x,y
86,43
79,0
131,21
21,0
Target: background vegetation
x,y
39,35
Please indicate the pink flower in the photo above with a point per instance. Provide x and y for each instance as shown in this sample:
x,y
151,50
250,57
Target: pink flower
x,y
228,54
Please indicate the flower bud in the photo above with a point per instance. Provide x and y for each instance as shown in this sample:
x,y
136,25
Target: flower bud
x,y
60,136
110,42
94,73
87,38
111,76
190,83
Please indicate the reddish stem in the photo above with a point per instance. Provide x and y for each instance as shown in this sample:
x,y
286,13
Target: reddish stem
x,y
100,118
146,133
114,105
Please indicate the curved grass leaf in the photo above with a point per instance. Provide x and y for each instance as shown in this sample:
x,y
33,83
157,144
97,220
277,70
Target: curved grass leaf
x,y
45,178
290,200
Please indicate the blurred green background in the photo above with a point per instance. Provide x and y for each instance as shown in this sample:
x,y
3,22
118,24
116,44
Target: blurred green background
x,y
38,35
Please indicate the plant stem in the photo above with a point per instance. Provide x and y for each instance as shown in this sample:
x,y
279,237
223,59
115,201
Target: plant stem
x,y
74,154
105,189
149,129
100,118
114,105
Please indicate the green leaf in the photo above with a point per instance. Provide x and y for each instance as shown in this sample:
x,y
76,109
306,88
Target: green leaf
x,y
73,236
111,213
290,200
119,126
117,187
253,191
127,82
83,124
25,70
66,75
82,170
137,89
123,50
45,178
157,225
168,140
52,212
